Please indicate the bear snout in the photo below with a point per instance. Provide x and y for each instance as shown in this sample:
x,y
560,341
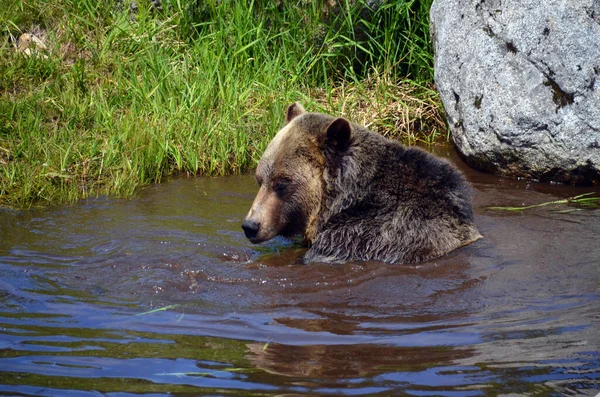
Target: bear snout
x,y
251,229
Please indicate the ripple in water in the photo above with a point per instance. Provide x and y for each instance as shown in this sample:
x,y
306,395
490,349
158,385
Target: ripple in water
x,y
163,295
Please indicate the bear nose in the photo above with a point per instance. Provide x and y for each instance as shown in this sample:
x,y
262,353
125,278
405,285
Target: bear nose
x,y
250,228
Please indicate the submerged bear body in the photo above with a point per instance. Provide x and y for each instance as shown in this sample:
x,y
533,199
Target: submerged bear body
x,y
355,195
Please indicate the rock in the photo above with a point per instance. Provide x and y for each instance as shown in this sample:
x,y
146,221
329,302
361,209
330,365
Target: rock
x,y
520,82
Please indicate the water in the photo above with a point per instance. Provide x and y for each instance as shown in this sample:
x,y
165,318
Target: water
x,y
517,312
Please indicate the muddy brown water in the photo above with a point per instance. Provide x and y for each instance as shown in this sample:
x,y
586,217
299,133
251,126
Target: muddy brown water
x,y
517,312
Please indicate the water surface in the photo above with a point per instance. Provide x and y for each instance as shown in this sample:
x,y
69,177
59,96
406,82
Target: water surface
x,y
516,312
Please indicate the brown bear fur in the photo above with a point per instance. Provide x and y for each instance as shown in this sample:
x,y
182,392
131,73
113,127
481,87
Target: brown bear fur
x,y
355,195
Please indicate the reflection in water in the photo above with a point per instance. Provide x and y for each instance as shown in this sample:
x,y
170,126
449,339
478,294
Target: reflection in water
x,y
82,287
348,361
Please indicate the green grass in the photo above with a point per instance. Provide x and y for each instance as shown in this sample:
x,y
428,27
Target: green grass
x,y
120,99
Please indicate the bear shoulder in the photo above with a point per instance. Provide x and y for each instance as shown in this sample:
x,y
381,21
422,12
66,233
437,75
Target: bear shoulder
x,y
393,203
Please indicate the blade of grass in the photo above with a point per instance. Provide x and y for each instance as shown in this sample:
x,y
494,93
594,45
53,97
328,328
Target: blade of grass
x,y
579,199
160,309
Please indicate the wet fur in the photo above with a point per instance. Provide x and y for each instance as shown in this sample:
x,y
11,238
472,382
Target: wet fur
x,y
366,197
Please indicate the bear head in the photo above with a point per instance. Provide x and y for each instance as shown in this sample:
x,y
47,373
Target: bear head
x,y
291,175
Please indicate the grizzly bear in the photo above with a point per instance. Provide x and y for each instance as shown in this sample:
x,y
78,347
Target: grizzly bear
x,y
355,195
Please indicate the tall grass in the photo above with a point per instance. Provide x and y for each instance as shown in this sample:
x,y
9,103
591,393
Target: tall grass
x,y
122,97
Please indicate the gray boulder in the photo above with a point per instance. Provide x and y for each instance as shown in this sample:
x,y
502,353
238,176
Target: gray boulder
x,y
520,82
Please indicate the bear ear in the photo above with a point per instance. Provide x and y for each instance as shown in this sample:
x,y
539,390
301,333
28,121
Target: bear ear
x,y
338,134
293,111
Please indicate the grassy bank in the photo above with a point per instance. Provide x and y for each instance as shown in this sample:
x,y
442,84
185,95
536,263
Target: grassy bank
x,y
121,96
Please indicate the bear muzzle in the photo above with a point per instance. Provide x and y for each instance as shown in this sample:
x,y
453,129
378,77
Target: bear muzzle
x,y
251,229
262,222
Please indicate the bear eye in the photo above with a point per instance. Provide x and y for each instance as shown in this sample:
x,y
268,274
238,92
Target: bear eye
x,y
280,187
258,180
